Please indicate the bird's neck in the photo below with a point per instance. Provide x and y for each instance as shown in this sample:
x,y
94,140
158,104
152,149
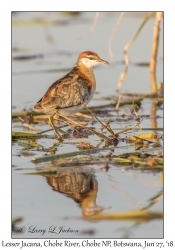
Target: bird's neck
x,y
86,71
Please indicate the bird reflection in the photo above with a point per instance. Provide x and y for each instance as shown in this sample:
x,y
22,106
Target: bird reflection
x,y
80,184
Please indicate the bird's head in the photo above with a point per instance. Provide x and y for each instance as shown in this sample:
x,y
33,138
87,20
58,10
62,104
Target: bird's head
x,y
90,59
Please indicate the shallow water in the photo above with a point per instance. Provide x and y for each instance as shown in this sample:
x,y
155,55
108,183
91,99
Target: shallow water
x,y
43,202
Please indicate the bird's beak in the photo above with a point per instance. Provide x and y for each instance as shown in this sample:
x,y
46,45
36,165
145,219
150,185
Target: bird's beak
x,y
103,61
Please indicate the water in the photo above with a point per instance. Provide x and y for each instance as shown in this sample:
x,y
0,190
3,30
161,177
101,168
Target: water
x,y
43,202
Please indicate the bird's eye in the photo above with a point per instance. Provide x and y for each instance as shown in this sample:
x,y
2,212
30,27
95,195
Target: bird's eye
x,y
90,58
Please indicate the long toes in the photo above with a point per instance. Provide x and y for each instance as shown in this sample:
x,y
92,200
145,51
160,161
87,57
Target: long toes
x,y
58,135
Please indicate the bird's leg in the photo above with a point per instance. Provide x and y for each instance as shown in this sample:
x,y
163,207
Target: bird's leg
x,y
53,126
59,129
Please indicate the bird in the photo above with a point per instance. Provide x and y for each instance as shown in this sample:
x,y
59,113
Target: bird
x,y
70,93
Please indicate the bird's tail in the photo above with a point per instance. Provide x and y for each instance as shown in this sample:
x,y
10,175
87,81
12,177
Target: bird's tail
x,y
38,105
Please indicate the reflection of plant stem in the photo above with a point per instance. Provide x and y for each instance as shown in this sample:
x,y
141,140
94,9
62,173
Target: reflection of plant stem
x,y
126,59
113,33
46,28
93,25
154,52
128,231
153,200
118,103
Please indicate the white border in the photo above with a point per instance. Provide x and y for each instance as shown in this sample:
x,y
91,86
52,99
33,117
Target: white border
x,y
5,100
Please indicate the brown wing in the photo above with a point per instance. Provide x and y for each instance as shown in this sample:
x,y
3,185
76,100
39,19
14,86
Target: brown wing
x,y
68,91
